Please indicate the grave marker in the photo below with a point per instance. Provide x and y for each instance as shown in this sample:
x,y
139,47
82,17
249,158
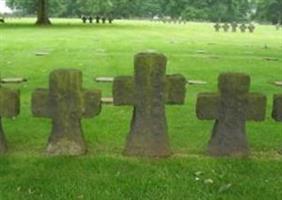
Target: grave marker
x,y
251,28
243,28
234,26
231,107
148,92
66,103
217,27
277,107
226,27
9,107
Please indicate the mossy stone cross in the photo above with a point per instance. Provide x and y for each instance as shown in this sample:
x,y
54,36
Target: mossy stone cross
x,y
9,107
66,103
230,107
277,107
148,91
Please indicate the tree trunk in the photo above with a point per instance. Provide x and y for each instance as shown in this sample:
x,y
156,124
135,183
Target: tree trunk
x,y
42,13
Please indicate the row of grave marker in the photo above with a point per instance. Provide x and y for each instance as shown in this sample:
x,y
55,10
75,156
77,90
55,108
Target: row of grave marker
x,y
66,103
97,19
234,26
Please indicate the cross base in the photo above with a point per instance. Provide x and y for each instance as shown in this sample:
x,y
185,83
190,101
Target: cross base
x,y
148,135
66,146
157,149
3,145
227,140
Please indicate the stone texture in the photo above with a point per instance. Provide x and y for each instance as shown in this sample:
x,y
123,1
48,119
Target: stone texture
x,y
9,107
66,103
175,89
277,107
231,107
251,28
217,27
234,26
226,27
243,28
148,92
123,91
3,144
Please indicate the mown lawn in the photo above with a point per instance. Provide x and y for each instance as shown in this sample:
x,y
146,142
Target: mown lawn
x,y
194,50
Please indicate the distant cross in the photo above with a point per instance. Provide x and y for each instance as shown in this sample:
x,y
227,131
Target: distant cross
x,y
148,92
66,103
243,28
231,107
217,27
234,26
251,28
9,107
226,27
277,108
98,19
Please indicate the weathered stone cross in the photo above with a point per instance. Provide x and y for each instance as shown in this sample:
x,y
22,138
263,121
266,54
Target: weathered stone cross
x,y
148,92
66,103
9,107
231,107
277,107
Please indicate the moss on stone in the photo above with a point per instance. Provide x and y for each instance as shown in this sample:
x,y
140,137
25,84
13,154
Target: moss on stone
x,y
92,104
3,145
256,107
231,108
40,103
66,103
175,89
123,91
65,80
234,83
207,106
9,102
67,147
9,107
277,107
146,61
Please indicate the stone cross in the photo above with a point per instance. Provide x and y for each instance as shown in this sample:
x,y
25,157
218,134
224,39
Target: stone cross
x,y
217,27
234,26
148,92
226,27
66,103
277,108
251,28
243,28
231,107
9,107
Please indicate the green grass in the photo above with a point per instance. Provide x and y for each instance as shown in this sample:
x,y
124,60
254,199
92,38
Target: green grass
x,y
108,50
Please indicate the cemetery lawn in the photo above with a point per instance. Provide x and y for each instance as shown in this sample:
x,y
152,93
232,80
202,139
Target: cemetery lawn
x,y
193,50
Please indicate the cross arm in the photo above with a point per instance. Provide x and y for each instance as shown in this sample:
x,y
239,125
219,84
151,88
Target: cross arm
x,y
40,103
9,102
207,106
256,108
175,89
277,107
123,91
91,103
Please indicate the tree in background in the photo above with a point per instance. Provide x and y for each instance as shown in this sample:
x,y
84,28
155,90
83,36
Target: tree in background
x,y
204,10
270,10
30,7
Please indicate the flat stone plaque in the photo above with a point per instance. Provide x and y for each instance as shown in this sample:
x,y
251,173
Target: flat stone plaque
x,y
104,79
197,82
107,100
13,80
